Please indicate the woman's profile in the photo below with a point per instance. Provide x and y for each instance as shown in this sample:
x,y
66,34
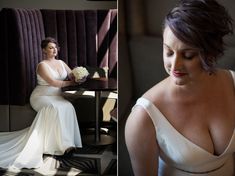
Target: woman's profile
x,y
55,128
184,125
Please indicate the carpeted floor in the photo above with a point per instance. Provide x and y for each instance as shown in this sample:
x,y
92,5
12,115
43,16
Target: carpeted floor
x,y
88,160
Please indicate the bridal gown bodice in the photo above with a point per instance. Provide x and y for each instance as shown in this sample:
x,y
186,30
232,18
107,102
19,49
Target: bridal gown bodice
x,y
54,129
181,157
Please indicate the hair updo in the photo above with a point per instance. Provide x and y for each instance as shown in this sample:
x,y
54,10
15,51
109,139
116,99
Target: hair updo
x,y
201,24
47,40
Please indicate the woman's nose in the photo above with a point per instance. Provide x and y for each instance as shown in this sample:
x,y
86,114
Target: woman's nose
x,y
177,63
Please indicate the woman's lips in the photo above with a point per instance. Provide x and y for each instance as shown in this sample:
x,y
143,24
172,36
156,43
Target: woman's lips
x,y
179,74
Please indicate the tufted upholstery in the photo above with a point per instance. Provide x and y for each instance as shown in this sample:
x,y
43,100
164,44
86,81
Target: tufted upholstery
x,y
91,36
86,37
23,31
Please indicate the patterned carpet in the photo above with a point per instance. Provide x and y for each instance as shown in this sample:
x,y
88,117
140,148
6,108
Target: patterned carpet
x,y
89,161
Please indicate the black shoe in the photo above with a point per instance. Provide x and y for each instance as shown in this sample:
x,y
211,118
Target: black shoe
x,y
69,151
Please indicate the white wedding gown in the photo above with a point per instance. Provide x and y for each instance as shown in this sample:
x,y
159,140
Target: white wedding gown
x,y
54,129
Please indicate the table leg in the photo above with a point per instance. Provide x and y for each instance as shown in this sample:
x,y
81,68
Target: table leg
x,y
98,139
97,116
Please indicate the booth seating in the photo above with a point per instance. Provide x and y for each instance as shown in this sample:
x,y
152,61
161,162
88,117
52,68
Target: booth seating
x,y
86,38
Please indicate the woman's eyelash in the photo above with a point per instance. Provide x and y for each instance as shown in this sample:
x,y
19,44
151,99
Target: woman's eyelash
x,y
184,55
169,53
189,56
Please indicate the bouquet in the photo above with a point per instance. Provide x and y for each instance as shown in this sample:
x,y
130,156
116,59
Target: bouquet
x,y
80,74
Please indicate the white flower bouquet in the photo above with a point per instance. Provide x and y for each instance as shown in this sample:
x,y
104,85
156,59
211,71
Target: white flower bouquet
x,y
80,74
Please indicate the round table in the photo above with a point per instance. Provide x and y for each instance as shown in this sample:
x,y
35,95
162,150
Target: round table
x,y
98,85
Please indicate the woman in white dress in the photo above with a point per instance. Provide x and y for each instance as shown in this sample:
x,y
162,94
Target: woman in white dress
x,y
55,128
185,125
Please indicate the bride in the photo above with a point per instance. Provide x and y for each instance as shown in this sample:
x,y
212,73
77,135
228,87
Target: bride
x,y
55,127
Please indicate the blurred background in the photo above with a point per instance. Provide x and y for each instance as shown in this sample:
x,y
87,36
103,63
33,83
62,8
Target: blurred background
x,y
140,57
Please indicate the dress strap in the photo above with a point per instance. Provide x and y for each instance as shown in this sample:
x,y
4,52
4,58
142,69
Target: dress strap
x,y
61,62
233,76
156,116
48,66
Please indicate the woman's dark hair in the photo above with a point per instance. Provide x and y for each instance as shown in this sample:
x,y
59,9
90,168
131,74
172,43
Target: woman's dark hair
x,y
201,24
47,40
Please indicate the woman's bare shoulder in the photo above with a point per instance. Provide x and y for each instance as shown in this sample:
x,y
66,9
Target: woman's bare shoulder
x,y
60,60
139,125
157,93
41,65
63,62
138,116
42,68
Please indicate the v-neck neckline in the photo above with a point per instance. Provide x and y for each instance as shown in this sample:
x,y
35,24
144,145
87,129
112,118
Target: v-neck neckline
x,y
55,71
185,138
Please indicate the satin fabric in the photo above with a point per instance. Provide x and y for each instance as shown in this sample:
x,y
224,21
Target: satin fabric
x,y
181,157
54,129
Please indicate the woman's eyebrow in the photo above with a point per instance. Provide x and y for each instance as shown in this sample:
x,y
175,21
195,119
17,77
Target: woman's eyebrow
x,y
182,49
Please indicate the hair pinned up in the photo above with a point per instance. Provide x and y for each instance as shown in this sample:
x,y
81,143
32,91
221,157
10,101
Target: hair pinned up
x,y
201,24
47,40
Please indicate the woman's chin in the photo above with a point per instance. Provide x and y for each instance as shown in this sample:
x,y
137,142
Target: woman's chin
x,y
179,81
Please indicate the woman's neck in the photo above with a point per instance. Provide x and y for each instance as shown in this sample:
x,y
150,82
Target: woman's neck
x,y
195,89
50,58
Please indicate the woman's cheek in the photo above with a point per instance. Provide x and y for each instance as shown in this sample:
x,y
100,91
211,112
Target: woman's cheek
x,y
167,66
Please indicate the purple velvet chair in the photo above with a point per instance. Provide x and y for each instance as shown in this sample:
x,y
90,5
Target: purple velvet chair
x,y
86,37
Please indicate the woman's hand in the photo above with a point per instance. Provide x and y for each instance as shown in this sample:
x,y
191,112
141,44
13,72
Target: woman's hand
x,y
67,83
71,77
71,83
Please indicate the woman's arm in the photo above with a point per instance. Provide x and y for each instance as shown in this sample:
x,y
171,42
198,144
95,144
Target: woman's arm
x,y
141,143
43,71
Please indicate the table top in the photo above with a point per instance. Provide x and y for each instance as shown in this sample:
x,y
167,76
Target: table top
x,y
94,84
